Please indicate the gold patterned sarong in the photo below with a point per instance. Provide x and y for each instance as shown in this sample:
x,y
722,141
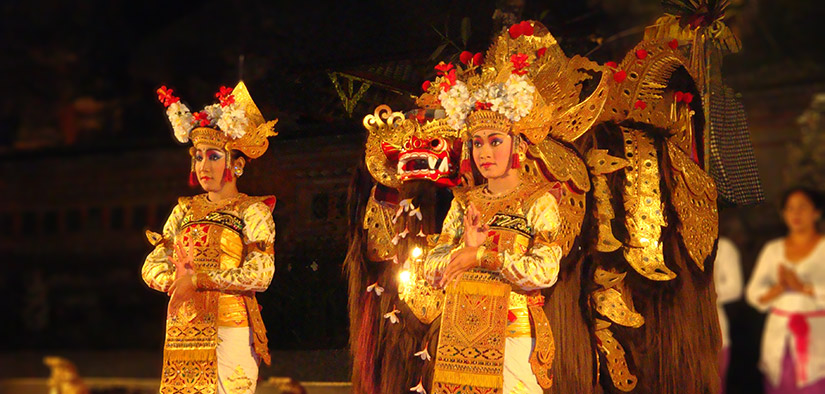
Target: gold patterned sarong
x,y
470,356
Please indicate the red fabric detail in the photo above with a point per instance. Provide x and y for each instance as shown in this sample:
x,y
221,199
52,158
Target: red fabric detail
x,y
270,202
193,179
511,316
800,328
465,57
640,104
227,175
673,44
620,76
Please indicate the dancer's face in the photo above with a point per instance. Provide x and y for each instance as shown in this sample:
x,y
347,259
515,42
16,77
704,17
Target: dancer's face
x,y
210,162
491,152
799,212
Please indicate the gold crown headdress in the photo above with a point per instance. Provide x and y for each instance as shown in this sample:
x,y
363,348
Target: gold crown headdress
x,y
235,122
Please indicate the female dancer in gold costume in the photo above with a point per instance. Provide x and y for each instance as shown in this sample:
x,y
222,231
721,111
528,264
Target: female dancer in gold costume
x,y
215,252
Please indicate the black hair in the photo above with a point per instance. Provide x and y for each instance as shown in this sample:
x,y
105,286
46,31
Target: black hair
x,y
813,195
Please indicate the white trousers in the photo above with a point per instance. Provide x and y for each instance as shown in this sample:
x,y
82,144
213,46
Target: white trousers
x,y
518,374
237,361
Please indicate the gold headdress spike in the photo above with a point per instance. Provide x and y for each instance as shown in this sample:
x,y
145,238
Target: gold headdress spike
x,y
254,142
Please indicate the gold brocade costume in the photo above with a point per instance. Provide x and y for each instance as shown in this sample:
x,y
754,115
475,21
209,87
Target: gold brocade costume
x,y
232,244
521,255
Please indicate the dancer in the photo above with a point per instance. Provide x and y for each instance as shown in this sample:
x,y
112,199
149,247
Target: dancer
x,y
215,252
789,283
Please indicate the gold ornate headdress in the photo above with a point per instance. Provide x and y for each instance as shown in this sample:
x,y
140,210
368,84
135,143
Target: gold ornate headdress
x,y
235,122
525,84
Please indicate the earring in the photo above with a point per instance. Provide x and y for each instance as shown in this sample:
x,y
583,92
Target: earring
x,y
516,161
238,172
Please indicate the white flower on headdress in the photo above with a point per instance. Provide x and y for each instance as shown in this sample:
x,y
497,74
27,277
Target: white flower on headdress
x,y
520,93
233,121
181,119
457,104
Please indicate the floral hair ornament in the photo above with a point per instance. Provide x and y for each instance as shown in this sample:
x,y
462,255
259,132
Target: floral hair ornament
x,y
233,123
526,85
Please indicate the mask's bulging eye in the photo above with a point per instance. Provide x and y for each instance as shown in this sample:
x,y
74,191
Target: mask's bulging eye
x,y
435,143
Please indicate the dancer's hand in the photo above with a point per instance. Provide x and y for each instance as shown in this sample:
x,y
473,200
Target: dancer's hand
x,y
460,262
182,290
182,258
792,281
474,232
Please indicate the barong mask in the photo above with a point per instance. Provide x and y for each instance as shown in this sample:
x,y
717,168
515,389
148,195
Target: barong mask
x,y
233,123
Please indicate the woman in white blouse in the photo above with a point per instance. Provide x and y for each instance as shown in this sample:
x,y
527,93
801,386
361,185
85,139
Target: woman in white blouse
x,y
727,278
789,283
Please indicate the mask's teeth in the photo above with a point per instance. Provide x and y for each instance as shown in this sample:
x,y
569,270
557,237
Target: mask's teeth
x,y
444,167
431,161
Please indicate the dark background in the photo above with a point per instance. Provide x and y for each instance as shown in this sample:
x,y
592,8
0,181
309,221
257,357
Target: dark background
x,y
88,160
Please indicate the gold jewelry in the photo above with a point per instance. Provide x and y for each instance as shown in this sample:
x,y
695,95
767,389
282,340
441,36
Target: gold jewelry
x,y
238,172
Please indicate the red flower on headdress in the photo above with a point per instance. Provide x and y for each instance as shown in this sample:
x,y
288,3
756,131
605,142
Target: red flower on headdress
x,y
519,61
641,54
446,85
620,76
225,96
443,69
640,104
673,44
541,52
478,59
426,86
521,29
483,106
611,64
201,118
678,96
165,96
465,57
687,97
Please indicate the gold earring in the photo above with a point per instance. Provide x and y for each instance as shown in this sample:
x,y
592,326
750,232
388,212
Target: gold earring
x,y
238,172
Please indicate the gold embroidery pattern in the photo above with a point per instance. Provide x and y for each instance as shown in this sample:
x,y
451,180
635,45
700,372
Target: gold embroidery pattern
x,y
643,206
239,383
471,342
